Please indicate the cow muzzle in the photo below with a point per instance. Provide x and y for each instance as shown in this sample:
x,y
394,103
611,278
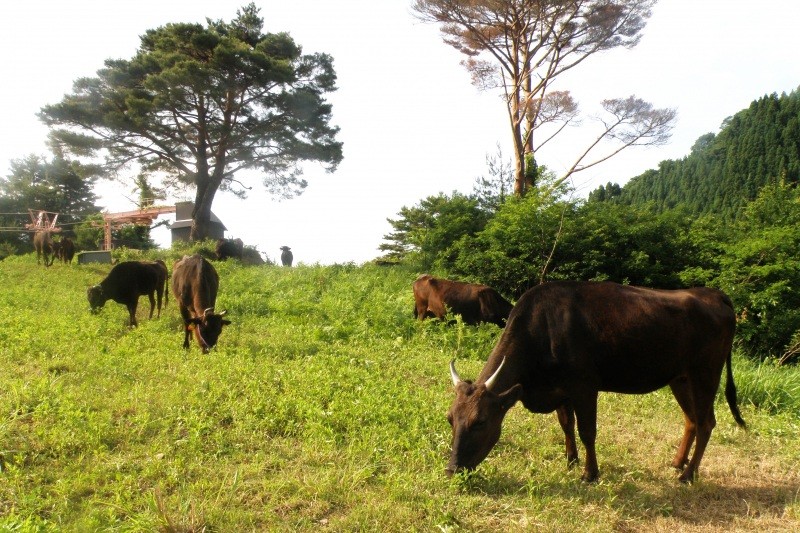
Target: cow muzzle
x,y
452,470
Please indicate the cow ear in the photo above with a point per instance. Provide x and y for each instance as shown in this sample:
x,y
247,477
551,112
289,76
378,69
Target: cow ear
x,y
226,322
510,397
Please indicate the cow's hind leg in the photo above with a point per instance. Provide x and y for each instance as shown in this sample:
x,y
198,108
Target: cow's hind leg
x,y
159,296
152,299
703,392
566,418
682,393
420,309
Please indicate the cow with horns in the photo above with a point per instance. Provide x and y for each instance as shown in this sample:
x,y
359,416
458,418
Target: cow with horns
x,y
567,341
195,283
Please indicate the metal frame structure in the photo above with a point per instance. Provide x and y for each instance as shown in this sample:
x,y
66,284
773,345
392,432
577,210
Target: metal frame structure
x,y
41,221
142,217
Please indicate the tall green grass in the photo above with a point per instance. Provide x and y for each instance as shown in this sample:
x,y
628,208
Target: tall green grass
x,y
323,407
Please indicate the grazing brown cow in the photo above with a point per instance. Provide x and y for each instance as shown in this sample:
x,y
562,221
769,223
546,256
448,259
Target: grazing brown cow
x,y
475,303
227,248
195,284
43,244
126,282
567,341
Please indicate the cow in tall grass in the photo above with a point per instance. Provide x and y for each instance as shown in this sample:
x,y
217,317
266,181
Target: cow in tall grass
x,y
286,256
567,341
66,250
126,282
195,283
229,248
43,244
475,303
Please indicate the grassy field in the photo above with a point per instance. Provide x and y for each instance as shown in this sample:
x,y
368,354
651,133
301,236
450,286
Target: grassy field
x,y
323,408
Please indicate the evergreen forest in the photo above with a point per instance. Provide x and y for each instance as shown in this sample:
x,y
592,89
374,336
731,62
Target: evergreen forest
x,y
755,147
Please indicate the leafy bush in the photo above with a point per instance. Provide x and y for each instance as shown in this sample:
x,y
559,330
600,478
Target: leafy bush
x,y
760,270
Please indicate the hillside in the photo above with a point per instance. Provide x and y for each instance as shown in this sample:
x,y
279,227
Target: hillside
x,y
323,408
756,146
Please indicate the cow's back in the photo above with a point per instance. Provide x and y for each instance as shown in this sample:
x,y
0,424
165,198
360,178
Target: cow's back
x,y
195,283
130,279
622,338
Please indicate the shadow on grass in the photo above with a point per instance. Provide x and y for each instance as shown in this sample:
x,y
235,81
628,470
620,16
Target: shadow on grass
x,y
640,499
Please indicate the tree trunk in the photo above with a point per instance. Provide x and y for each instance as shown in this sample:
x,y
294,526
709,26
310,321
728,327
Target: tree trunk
x,y
201,215
519,147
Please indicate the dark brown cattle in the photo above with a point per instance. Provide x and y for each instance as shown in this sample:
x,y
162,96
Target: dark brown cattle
x,y
43,244
286,256
57,251
67,251
126,282
227,248
567,341
475,303
195,284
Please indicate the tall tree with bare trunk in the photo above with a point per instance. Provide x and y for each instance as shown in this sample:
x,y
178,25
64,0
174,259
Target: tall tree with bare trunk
x,y
523,46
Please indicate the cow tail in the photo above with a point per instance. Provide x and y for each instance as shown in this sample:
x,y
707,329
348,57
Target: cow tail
x,y
730,393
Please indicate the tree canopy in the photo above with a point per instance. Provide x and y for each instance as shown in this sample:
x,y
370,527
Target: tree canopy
x,y
197,104
56,185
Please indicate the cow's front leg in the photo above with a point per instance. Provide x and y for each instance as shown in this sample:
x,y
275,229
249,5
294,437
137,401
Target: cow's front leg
x,y
187,332
132,313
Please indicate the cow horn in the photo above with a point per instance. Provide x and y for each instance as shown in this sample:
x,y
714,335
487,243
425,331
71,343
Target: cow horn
x,y
223,313
208,311
491,381
454,374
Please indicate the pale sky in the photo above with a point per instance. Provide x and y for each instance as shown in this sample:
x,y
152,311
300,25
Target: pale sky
x,y
411,123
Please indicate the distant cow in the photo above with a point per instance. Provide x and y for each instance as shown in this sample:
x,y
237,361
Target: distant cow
x,y
227,248
567,341
286,256
57,253
195,284
67,251
126,282
43,244
475,303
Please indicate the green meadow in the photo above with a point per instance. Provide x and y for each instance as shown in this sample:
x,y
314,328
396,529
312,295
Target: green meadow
x,y
323,408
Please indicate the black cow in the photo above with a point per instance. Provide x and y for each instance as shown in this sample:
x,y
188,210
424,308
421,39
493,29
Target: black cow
x,y
567,341
475,303
195,284
67,251
227,248
43,244
126,282
57,251
286,256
